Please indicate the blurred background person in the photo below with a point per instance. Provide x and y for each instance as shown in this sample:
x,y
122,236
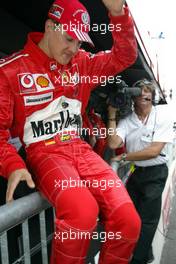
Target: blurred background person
x,y
145,132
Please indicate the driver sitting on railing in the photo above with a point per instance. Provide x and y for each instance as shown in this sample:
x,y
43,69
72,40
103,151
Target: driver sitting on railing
x,y
42,101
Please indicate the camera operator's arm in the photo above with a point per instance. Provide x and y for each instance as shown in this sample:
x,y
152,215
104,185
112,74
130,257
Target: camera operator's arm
x,y
163,134
147,153
114,141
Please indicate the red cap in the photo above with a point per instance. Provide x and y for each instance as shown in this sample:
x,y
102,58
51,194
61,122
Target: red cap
x,y
74,18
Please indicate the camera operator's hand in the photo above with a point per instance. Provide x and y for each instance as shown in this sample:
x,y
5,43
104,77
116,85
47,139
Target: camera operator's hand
x,y
117,158
113,140
112,111
14,179
114,6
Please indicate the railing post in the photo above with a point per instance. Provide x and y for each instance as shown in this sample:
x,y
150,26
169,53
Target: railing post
x,y
4,248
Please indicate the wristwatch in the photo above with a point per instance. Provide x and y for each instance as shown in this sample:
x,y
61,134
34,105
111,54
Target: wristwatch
x,y
123,157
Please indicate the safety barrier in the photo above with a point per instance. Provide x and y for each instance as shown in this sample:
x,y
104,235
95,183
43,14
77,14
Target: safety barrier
x,y
20,212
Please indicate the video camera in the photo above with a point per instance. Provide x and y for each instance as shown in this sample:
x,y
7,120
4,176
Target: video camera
x,y
119,95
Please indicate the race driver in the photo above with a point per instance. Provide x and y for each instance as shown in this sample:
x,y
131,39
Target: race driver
x,y
42,99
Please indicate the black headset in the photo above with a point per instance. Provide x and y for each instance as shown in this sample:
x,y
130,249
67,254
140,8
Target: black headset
x,y
143,82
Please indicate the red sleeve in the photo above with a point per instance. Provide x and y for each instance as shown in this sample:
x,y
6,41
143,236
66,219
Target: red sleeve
x,y
121,56
9,158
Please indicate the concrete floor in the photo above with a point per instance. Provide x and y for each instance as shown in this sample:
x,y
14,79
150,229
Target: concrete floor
x,y
169,251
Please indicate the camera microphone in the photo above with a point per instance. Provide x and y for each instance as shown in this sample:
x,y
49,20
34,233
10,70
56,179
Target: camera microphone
x,y
148,99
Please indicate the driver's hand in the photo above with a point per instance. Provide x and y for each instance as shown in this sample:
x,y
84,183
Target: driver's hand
x,y
14,179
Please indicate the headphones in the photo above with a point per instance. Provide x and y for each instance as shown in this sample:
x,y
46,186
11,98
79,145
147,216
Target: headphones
x,y
150,85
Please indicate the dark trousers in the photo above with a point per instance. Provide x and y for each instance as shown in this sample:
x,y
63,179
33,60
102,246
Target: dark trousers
x,y
145,187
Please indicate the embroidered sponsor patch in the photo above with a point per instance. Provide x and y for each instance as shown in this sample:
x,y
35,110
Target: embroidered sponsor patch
x,y
50,141
91,55
42,81
37,82
70,77
65,138
85,18
56,11
82,16
38,99
52,119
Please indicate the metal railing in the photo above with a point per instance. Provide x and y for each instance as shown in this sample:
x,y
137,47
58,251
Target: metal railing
x,y
19,212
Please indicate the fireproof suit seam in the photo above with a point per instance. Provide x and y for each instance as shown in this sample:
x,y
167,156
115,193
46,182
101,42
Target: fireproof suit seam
x,y
117,257
78,230
69,255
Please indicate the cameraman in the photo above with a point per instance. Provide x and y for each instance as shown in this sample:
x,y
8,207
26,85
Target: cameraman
x,y
145,132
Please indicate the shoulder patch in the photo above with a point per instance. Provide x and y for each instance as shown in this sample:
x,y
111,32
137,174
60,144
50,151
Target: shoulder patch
x,y
91,55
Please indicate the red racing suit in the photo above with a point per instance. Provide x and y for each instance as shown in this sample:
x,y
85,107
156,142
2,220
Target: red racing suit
x,y
41,99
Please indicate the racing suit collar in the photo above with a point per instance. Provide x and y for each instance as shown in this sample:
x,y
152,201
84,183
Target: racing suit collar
x,y
38,55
